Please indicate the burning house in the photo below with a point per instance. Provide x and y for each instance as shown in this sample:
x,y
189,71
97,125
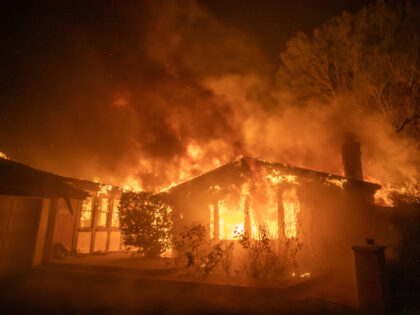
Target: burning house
x,y
314,208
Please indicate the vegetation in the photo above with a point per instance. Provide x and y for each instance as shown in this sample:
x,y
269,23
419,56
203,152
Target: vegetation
x,y
197,253
261,259
369,60
146,222
268,259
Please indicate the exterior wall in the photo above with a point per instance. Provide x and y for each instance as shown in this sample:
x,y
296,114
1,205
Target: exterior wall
x,y
85,231
20,236
330,220
95,226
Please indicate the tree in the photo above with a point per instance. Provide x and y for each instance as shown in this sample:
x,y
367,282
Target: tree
x,y
146,221
370,58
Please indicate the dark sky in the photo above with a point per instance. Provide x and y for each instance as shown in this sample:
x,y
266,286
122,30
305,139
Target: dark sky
x,y
272,23
68,67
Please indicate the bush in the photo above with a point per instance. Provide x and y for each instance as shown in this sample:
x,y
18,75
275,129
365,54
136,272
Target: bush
x,y
197,253
267,259
146,222
260,259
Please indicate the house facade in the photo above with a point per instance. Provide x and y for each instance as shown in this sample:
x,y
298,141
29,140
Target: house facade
x,y
323,213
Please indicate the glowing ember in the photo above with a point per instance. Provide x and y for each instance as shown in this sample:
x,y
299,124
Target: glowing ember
x,y
302,275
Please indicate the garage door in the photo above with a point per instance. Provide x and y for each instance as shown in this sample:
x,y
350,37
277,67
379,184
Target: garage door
x,y
19,219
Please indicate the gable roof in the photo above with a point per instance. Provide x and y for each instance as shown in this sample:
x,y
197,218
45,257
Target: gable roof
x,y
234,171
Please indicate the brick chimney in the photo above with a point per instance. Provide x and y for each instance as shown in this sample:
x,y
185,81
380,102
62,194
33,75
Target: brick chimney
x,y
351,155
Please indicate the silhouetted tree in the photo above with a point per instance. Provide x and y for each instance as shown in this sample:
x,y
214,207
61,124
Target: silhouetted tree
x,y
370,58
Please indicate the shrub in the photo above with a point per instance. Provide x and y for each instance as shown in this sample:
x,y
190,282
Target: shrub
x,y
197,253
146,222
260,259
267,259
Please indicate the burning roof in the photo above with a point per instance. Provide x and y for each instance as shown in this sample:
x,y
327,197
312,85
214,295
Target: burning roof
x,y
238,169
247,193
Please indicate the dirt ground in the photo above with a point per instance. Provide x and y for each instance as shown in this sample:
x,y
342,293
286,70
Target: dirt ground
x,y
128,284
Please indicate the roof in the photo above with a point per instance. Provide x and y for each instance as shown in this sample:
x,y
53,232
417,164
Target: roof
x,y
21,180
245,166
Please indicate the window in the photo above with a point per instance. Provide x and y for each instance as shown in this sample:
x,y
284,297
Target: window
x,y
291,209
102,212
115,219
86,213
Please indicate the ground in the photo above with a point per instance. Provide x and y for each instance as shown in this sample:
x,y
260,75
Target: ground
x,y
115,284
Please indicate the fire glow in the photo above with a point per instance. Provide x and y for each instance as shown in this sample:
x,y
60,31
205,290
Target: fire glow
x,y
235,215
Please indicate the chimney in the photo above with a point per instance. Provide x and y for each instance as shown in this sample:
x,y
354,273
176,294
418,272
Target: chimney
x,y
351,155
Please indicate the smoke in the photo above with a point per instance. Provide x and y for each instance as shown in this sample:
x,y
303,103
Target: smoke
x,y
157,92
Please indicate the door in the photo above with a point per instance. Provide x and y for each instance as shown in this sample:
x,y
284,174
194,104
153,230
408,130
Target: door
x,y
19,219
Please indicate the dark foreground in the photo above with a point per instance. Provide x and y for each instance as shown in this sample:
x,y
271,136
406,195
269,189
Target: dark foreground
x,y
86,291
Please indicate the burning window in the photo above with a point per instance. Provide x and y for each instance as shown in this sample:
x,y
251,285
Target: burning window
x,y
226,219
211,208
86,213
260,203
231,220
291,209
115,218
102,213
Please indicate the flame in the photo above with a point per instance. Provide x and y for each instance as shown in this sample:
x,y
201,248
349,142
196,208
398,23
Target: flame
x,y
211,208
231,220
384,196
337,182
132,184
104,190
4,156
256,203
195,151
291,209
275,178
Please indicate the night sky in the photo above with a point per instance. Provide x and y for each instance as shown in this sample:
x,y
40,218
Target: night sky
x,y
92,87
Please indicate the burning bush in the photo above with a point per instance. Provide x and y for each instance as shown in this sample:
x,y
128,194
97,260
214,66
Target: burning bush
x,y
146,222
